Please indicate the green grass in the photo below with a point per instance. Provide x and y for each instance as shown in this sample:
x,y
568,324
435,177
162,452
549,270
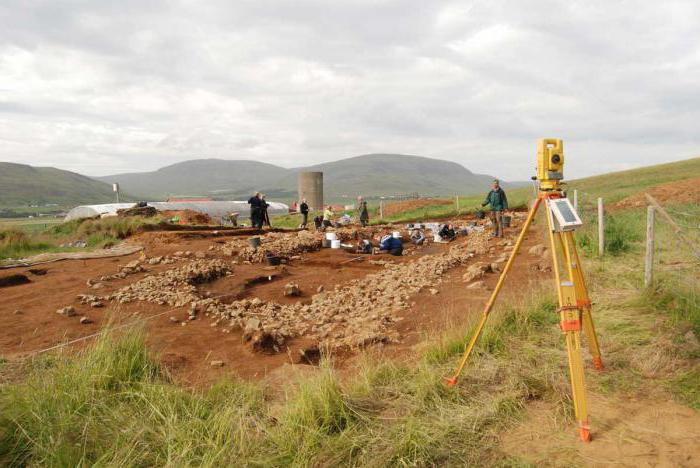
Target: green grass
x,y
112,405
97,233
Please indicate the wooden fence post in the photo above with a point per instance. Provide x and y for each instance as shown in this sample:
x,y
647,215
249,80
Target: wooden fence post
x,y
649,257
381,209
457,200
601,227
676,228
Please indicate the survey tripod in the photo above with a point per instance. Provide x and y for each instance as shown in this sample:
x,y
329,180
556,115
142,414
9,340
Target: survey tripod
x,y
574,302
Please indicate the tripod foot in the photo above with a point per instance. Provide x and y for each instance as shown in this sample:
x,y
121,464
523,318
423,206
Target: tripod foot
x,y
451,382
598,363
584,431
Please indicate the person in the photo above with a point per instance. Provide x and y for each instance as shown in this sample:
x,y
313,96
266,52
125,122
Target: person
x,y
364,246
254,203
233,218
417,237
498,201
328,216
391,245
447,233
318,222
304,210
364,214
265,217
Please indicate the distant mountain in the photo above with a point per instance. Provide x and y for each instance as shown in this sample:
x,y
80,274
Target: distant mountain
x,y
200,177
23,185
368,175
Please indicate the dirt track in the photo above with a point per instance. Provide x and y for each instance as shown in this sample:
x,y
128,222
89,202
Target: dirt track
x,y
187,347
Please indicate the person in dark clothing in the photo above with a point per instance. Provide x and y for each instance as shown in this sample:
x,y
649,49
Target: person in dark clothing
x,y
255,213
498,201
391,245
265,217
364,214
304,210
417,237
318,223
447,233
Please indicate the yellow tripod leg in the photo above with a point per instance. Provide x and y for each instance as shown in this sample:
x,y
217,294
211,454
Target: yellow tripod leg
x,y
570,322
584,302
489,304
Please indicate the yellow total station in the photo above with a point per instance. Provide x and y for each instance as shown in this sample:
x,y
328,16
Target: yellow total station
x,y
550,163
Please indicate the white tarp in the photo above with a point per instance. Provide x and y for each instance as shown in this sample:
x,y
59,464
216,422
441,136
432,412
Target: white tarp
x,y
215,209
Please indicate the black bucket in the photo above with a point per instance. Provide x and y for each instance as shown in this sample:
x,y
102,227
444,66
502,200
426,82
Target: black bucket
x,y
326,243
254,242
273,260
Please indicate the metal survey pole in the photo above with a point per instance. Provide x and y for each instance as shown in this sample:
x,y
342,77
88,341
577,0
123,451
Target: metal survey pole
x,y
576,201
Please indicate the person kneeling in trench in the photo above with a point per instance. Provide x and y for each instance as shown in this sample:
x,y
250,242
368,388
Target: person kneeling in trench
x,y
391,245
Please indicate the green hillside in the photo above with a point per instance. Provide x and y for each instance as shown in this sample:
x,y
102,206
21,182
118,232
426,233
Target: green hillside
x,y
22,185
369,175
615,186
200,177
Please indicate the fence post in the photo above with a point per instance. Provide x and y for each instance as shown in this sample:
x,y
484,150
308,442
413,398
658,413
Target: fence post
x,y
649,257
601,227
576,201
457,200
381,209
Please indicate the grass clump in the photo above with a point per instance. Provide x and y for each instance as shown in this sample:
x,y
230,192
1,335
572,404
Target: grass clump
x,y
15,243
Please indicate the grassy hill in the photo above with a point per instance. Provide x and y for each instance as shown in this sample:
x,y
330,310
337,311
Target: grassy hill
x,y
369,175
22,185
200,177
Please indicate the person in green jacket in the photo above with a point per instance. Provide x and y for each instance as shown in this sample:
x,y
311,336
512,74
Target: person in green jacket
x,y
498,201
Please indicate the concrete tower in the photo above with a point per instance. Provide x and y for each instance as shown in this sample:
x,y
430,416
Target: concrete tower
x,y
311,188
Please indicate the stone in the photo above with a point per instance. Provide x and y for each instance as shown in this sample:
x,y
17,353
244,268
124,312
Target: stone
x,y
252,324
96,304
433,291
200,254
495,267
217,363
174,319
691,338
68,311
477,285
85,320
538,250
320,289
292,289
18,312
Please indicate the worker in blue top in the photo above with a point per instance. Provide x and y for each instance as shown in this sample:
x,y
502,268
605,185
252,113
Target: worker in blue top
x,y
498,201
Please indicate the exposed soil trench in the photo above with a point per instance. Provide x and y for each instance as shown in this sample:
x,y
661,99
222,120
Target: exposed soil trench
x,y
30,321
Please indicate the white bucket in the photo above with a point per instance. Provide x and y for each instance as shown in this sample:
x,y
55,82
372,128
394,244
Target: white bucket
x,y
331,236
396,235
335,244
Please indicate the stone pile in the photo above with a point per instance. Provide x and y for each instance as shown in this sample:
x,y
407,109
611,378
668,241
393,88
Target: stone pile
x,y
175,287
281,245
356,314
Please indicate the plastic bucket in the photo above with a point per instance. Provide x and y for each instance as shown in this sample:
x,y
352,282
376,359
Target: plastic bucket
x,y
331,236
273,260
507,220
335,244
254,242
396,235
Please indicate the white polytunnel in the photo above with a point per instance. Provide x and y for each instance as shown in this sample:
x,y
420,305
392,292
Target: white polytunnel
x,y
214,209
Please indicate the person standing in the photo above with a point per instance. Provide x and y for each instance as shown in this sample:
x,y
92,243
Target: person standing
x,y
304,210
364,214
265,217
498,201
255,206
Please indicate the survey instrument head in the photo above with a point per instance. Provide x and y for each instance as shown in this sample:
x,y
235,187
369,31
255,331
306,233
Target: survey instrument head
x,y
550,163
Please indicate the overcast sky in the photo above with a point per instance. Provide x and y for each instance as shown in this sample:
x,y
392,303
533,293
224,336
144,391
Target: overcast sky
x,y
100,87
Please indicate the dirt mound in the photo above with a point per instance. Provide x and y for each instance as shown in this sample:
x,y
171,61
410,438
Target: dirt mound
x,y
408,205
683,191
188,216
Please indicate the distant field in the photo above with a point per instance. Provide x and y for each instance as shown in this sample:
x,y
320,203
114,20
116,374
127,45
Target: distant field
x,y
29,224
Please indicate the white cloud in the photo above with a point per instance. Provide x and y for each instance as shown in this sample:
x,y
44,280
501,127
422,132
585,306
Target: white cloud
x,y
104,87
